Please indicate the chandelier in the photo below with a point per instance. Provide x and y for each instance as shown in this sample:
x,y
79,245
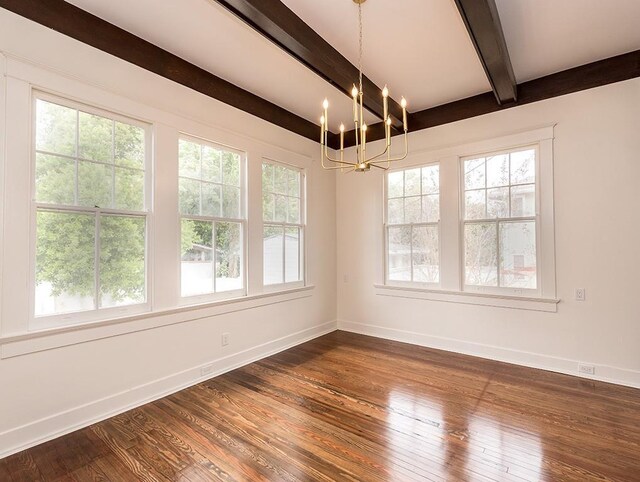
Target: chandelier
x,y
361,163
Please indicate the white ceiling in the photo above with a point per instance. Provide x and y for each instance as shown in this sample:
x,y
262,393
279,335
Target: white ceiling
x,y
207,35
419,48
547,36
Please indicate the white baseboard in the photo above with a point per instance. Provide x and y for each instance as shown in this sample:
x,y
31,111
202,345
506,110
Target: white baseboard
x,y
43,430
605,373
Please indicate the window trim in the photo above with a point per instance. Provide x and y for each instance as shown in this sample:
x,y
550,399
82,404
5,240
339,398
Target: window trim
x,y
302,225
60,320
451,269
215,296
499,290
411,284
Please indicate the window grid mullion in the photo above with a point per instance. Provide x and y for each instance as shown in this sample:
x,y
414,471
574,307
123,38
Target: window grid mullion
x,y
498,256
96,256
214,257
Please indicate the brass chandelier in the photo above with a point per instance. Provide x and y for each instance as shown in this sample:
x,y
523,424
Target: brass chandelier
x,y
362,163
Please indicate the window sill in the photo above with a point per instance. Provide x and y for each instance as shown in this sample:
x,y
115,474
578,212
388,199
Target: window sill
x,y
35,341
485,299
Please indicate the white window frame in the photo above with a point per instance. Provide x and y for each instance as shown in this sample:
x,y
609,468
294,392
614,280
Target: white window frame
x,y
451,233
528,292
96,314
399,283
216,295
302,226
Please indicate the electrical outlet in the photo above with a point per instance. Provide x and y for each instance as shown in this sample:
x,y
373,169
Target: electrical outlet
x,y
586,369
581,294
207,370
225,339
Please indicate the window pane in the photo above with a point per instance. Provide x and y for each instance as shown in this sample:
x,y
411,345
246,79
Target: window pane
x,y
55,179
267,178
189,159
474,177
197,257
129,189
399,266
231,202
498,202
231,168
292,255
518,255
523,200
426,260
211,164
65,259
294,183
280,179
431,208
211,199
281,209
228,256
395,184
129,144
95,184
268,206
523,167
96,138
480,258
430,179
396,211
498,170
273,256
412,179
412,209
474,204
189,196
122,261
293,215
55,128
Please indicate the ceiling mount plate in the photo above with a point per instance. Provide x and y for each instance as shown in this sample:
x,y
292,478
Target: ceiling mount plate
x,y
359,2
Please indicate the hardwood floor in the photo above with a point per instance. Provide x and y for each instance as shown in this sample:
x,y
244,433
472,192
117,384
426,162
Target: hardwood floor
x,y
349,407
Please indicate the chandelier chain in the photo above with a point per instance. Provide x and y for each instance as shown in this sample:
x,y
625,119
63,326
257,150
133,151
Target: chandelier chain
x,y
360,44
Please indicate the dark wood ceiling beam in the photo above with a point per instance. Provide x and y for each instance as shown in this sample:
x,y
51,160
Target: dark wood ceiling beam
x,y
76,23
596,74
483,24
279,24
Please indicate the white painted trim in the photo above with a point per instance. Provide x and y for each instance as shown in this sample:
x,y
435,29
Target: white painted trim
x,y
24,343
466,297
49,428
605,373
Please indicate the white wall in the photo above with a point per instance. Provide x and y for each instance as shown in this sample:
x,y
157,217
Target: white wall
x,y
48,390
597,228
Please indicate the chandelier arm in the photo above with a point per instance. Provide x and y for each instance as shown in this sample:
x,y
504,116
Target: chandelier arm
x,y
325,155
406,151
372,159
379,167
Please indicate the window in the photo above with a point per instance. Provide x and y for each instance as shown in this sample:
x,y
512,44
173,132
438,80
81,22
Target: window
x,y
91,202
212,209
412,227
500,240
283,216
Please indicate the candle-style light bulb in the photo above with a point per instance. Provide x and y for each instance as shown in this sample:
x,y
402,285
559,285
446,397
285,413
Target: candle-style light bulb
x,y
341,137
403,103
322,120
322,131
354,94
325,104
385,102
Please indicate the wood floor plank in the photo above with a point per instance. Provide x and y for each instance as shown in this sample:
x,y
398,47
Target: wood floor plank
x,y
347,407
